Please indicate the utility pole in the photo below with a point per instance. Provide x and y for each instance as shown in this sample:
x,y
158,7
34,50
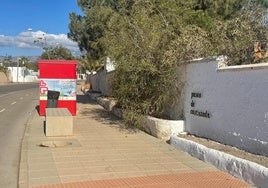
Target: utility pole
x,y
18,62
43,41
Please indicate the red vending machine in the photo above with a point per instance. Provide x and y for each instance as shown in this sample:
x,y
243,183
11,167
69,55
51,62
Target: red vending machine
x,y
57,76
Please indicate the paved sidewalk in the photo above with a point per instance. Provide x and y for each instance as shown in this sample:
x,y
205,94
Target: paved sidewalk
x,y
101,154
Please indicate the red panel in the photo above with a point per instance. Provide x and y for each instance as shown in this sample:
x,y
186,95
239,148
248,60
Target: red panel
x,y
42,108
57,69
71,105
64,69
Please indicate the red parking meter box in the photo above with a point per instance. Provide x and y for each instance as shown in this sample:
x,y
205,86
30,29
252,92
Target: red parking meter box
x,y
58,76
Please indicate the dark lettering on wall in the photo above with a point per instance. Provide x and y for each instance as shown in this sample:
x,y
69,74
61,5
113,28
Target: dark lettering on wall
x,y
196,95
200,113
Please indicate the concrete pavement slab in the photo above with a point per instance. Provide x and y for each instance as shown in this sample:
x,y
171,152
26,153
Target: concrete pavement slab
x,y
101,153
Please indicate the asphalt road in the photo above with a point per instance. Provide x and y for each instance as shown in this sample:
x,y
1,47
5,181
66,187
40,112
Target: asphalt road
x,y
17,102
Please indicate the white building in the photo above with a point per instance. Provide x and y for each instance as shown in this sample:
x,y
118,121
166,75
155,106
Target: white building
x,y
22,74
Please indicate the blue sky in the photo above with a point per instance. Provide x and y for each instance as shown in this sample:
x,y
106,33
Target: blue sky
x,y
24,21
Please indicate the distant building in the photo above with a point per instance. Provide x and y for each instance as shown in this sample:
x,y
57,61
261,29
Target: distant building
x,y
22,74
109,65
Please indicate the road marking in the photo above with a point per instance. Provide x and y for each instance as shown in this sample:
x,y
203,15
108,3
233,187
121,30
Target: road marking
x,y
13,103
8,94
2,110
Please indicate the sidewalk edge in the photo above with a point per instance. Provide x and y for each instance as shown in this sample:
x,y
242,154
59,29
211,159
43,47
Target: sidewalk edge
x,y
248,171
23,164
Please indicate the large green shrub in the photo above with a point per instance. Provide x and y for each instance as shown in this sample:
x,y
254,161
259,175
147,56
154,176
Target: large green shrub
x,y
148,38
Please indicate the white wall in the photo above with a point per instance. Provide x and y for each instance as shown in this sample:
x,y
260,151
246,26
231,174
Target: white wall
x,y
101,81
109,65
234,101
21,74
16,74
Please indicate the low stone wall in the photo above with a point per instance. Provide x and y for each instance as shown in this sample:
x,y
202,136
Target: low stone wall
x,y
159,128
162,128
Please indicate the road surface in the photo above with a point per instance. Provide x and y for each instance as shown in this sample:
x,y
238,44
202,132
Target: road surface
x,y
17,102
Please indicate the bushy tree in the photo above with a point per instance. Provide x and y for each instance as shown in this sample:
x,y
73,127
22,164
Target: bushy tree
x,y
148,38
25,62
139,38
88,29
3,69
57,52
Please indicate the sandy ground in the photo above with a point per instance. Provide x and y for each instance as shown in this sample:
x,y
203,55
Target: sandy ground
x,y
262,160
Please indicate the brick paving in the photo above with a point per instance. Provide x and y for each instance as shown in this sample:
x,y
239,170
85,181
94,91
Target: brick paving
x,y
102,154
183,180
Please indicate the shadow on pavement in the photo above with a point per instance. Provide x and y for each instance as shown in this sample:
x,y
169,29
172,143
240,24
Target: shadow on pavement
x,y
101,115
37,108
85,99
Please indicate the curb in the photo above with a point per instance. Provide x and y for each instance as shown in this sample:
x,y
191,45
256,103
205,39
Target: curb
x,y
23,167
248,171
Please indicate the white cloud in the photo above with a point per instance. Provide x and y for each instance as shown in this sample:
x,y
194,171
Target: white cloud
x,y
38,39
6,41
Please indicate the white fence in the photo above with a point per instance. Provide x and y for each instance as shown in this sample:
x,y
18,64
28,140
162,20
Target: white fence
x,y
21,74
102,82
228,104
